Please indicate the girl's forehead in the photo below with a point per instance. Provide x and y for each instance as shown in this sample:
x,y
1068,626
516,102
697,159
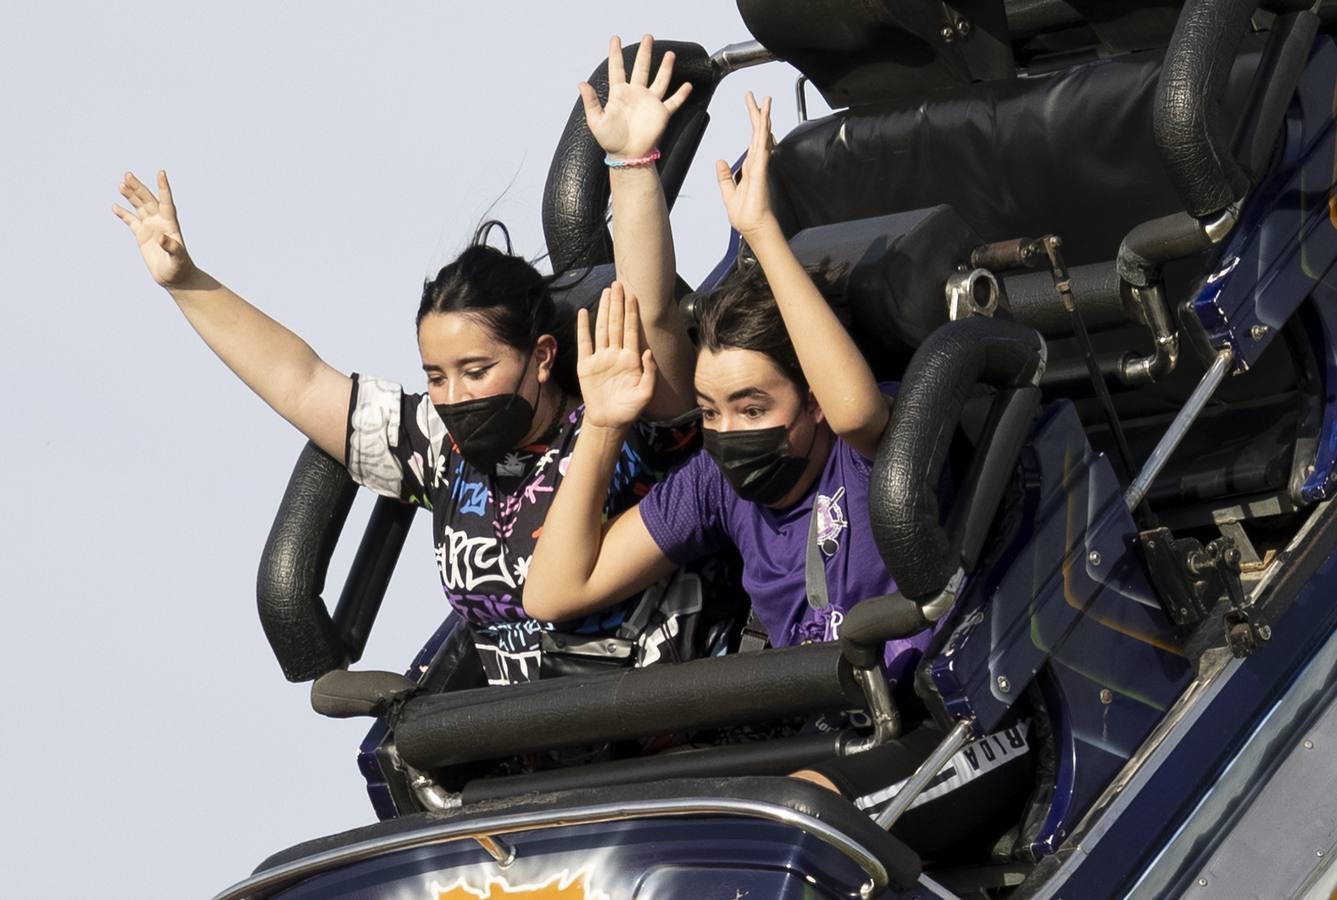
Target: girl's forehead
x,y
445,337
722,373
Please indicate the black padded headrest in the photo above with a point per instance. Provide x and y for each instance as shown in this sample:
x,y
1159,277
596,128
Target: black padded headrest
x,y
1070,152
858,52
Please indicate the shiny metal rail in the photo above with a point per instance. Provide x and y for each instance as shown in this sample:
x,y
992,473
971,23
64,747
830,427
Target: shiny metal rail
x,y
487,831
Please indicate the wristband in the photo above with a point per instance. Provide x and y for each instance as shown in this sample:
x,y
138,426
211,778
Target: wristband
x,y
638,163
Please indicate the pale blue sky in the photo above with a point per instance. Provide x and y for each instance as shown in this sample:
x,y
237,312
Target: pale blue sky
x,y
325,158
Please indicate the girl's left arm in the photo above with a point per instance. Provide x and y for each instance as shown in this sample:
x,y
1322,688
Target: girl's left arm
x,y
629,127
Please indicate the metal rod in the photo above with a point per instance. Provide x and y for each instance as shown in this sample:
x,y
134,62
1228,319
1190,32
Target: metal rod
x,y
496,848
928,769
886,717
801,97
732,57
1179,427
559,817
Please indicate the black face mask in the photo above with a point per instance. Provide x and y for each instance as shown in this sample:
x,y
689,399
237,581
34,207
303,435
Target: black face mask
x,y
757,462
487,428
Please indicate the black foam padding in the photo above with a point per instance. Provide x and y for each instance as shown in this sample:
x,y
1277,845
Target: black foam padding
x,y
1069,153
873,622
486,723
902,864
903,499
341,694
856,52
575,196
297,552
896,273
1032,299
1192,126
773,757
1116,25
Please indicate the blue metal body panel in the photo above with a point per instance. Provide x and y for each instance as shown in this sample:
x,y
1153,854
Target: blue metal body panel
x,y
1071,604
1286,239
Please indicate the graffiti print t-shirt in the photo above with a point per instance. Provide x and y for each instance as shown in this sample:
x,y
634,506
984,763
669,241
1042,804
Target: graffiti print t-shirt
x,y
695,511
485,525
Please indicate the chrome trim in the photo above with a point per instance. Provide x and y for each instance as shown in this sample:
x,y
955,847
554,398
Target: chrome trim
x,y
1217,229
732,57
960,290
886,717
1151,308
533,821
1179,427
936,889
431,795
940,605
801,97
496,848
914,786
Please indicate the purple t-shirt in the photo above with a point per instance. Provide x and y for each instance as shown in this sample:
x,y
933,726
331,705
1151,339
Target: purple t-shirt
x,y
695,511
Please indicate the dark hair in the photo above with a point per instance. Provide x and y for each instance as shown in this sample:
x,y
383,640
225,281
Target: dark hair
x,y
741,313
507,296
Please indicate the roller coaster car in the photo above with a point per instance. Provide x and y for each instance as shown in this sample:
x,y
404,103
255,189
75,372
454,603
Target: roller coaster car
x,y
1094,240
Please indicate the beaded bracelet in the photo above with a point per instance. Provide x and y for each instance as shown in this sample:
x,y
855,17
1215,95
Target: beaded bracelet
x,y
641,162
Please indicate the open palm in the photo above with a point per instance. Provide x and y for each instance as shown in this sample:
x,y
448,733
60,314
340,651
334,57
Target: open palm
x,y
617,379
156,229
748,202
630,124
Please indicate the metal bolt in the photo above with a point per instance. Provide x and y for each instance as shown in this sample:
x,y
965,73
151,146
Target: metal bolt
x,y
1093,558
1106,696
1309,745
948,33
1258,332
1265,632
1003,684
1318,853
1202,882
963,27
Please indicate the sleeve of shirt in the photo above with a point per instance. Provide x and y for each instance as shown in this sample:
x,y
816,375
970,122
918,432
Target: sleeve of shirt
x,y
394,440
685,513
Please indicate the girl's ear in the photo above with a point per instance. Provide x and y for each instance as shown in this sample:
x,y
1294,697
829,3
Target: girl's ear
x,y
545,356
815,408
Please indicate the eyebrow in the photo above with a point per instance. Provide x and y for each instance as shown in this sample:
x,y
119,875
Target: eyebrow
x,y
466,361
752,392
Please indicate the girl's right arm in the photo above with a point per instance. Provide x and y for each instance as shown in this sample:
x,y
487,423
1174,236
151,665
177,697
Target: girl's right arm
x,y
579,565
275,363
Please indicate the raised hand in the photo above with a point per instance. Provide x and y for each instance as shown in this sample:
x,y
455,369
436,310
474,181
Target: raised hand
x,y
748,201
156,230
616,378
630,124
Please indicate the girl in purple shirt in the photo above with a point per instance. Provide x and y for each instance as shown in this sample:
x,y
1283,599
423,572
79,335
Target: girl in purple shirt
x,y
792,418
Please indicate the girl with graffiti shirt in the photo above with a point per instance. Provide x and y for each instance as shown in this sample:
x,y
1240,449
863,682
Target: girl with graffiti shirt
x,y
486,447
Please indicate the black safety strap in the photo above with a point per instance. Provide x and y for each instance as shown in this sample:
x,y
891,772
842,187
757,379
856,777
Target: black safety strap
x,y
754,635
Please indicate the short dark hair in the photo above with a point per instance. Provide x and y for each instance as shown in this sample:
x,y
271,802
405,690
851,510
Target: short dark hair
x,y
507,296
741,313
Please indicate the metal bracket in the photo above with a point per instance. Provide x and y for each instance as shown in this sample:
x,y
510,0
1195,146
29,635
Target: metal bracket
x,y
971,292
1193,581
